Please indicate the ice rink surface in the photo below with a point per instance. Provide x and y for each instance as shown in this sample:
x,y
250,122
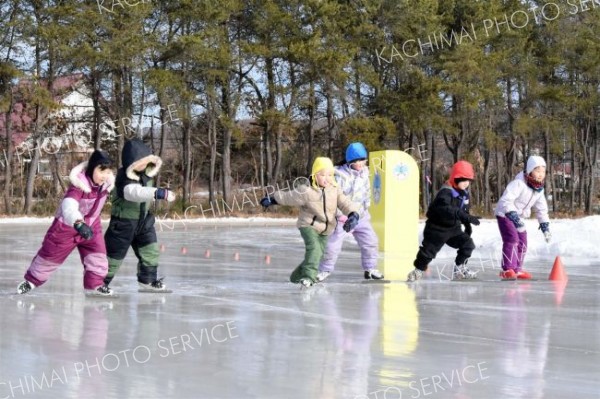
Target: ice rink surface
x,y
235,328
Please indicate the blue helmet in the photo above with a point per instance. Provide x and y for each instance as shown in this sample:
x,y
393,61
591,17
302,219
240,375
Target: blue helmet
x,y
355,151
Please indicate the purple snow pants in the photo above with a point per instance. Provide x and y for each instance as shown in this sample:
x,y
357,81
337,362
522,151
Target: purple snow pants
x,y
514,245
365,237
59,242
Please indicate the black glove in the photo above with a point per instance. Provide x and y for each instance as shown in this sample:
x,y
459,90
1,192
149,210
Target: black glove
x,y
468,229
83,230
267,201
467,218
351,222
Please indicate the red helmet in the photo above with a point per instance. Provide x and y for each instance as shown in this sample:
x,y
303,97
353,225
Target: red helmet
x,y
461,170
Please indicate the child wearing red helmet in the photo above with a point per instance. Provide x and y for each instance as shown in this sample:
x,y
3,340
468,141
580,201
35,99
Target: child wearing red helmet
x,y
445,217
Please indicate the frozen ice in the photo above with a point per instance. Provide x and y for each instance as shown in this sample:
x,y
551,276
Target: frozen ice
x,y
234,327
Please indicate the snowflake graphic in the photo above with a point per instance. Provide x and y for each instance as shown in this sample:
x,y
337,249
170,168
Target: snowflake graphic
x,y
401,171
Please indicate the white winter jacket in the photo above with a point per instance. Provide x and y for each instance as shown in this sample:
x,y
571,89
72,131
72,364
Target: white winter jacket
x,y
355,185
521,198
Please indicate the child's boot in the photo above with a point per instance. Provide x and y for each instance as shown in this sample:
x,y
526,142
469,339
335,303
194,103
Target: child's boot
x,y
322,275
463,272
25,287
155,286
415,275
373,274
305,283
103,290
523,275
508,274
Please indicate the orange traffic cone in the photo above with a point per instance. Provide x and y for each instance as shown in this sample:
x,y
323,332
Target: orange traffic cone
x,y
207,253
558,272
183,250
236,256
162,248
268,259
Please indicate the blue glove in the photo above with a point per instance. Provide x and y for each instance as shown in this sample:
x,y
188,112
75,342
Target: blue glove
x,y
513,217
163,193
351,222
545,227
83,230
267,201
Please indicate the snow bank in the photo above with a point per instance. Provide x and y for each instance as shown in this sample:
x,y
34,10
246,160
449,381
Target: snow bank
x,y
578,238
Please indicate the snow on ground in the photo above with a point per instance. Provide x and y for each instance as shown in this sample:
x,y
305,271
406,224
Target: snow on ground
x,y
570,237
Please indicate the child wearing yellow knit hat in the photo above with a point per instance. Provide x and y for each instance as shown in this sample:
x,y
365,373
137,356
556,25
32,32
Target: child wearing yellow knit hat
x,y
317,218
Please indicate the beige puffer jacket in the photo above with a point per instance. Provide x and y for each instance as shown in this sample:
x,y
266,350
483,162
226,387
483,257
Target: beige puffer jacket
x,y
317,206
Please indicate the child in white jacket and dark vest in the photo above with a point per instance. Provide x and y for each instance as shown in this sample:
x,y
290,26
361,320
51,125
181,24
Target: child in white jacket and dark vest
x,y
524,193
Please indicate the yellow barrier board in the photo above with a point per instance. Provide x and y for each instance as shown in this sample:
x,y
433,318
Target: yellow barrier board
x,y
395,210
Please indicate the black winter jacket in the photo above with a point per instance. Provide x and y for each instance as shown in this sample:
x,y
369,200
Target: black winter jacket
x,y
443,211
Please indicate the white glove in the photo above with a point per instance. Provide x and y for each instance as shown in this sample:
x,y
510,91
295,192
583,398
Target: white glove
x,y
545,227
171,196
164,194
547,236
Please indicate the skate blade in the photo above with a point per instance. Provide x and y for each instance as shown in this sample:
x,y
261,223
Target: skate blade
x,y
94,295
149,291
376,281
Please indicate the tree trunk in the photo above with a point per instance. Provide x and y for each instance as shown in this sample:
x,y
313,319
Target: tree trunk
x,y
31,173
96,97
227,134
9,152
212,140
330,119
424,174
311,126
549,169
572,187
271,124
499,174
432,174
487,204
278,154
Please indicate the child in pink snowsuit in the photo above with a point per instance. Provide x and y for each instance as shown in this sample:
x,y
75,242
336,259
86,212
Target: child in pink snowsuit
x,y
77,225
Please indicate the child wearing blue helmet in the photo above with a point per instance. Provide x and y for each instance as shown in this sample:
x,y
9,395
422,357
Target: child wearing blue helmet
x,y
353,179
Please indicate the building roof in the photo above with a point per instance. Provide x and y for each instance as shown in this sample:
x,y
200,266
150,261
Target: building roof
x,y
23,116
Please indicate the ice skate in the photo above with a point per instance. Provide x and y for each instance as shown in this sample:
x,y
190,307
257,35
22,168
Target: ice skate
x,y
415,275
373,274
25,287
305,283
321,276
462,272
103,290
154,287
508,275
523,275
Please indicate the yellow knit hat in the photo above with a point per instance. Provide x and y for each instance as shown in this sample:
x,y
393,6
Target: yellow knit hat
x,y
321,163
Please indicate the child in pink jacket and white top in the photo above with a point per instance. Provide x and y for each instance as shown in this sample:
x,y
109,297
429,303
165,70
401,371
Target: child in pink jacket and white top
x,y
524,193
77,225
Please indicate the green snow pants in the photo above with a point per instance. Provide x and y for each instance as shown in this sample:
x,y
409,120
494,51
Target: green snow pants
x,y
139,235
315,244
